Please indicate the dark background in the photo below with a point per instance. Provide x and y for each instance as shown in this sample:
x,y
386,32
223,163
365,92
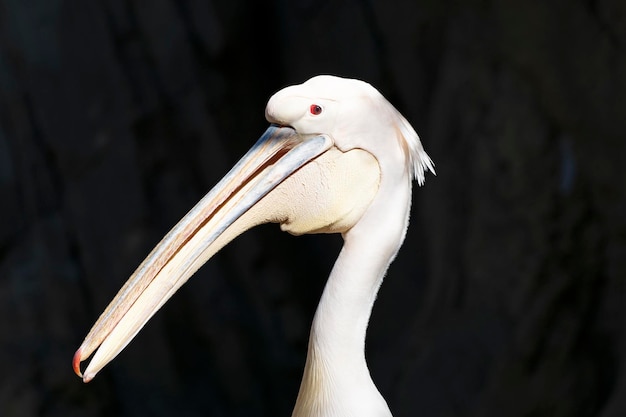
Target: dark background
x,y
508,297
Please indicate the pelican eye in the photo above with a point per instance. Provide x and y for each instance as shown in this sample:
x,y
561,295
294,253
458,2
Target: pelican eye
x,y
315,109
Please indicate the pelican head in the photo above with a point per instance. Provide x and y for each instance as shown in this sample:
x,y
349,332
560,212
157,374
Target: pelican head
x,y
355,115
337,158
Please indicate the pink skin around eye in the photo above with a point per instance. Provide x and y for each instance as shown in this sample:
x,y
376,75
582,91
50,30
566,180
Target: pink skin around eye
x,y
315,109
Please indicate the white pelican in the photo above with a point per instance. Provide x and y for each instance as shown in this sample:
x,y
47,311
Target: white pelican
x,y
337,158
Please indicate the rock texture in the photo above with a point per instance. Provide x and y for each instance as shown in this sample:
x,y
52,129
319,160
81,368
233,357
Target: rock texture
x,y
508,298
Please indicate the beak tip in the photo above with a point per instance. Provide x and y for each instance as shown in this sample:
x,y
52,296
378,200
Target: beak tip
x,y
76,362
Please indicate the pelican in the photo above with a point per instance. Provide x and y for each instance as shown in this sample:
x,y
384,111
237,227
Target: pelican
x,y
336,158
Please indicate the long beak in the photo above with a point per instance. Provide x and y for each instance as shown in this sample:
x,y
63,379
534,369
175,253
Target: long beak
x,y
209,226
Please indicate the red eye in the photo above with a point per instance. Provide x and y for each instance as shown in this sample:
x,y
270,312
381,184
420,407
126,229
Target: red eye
x,y
315,109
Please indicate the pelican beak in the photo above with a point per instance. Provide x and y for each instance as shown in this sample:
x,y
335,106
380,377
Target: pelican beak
x,y
217,219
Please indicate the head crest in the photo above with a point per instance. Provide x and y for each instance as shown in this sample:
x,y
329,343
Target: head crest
x,y
418,160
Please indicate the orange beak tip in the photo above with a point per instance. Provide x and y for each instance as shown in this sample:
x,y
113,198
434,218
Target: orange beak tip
x,y
76,363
